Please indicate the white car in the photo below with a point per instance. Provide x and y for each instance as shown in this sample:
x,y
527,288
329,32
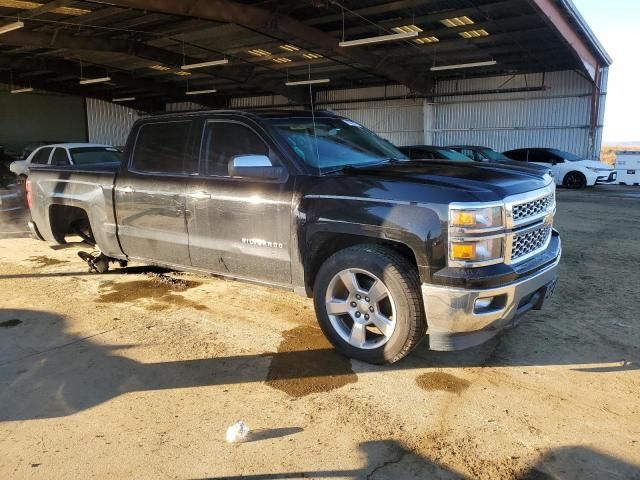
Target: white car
x,y
569,170
64,154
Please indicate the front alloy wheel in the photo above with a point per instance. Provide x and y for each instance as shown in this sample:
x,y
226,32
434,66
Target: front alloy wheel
x,y
369,303
360,308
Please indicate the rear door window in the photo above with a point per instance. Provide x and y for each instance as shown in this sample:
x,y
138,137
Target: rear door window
x,y
164,147
541,156
425,154
223,141
60,157
520,155
41,157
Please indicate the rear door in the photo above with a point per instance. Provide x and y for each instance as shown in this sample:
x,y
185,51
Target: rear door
x,y
239,227
150,192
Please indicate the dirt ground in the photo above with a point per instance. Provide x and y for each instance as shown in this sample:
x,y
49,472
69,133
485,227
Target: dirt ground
x,y
139,372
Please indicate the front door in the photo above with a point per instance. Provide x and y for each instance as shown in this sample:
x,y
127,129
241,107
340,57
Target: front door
x,y
150,193
238,226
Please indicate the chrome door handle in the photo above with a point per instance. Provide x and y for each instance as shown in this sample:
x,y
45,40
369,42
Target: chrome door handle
x,y
127,189
199,195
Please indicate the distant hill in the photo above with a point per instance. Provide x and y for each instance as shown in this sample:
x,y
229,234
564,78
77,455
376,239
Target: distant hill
x,y
635,143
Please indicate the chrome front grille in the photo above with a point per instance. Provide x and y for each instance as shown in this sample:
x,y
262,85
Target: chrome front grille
x,y
530,242
525,210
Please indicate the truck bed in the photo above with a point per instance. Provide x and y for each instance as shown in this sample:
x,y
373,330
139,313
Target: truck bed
x,y
61,194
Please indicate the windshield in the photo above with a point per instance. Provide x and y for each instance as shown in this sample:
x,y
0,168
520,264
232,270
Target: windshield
x,y
92,155
493,155
337,142
570,157
452,154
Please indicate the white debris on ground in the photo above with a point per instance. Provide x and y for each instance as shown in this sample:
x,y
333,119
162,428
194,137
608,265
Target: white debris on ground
x,y
238,432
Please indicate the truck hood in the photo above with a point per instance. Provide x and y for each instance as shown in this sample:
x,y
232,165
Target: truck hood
x,y
478,180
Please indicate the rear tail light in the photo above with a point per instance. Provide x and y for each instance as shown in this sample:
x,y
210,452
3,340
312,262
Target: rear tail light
x,y
27,188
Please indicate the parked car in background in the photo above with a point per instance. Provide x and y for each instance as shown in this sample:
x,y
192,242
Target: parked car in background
x,y
28,150
431,152
64,154
569,170
486,154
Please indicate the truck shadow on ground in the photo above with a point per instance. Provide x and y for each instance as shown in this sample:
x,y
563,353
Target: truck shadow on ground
x,y
389,459
46,372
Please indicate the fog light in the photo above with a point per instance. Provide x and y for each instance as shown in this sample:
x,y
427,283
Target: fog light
x,y
482,303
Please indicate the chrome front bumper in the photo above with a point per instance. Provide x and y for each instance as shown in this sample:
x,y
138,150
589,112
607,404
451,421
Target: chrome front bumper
x,y
456,323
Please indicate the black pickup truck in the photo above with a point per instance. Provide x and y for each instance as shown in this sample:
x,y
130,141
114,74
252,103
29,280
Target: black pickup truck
x,y
389,249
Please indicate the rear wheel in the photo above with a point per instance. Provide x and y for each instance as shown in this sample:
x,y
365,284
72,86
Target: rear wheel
x,y
575,180
369,305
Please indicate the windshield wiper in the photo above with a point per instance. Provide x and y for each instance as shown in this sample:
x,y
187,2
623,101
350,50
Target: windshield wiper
x,y
343,168
351,166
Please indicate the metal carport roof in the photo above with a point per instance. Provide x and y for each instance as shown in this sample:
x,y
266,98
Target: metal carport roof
x,y
141,45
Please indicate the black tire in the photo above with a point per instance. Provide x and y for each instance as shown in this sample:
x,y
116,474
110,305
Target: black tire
x,y
574,180
402,282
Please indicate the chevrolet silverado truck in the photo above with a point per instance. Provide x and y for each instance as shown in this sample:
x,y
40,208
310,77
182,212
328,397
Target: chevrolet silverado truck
x,y
389,249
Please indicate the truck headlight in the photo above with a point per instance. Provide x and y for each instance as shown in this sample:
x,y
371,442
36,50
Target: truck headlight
x,y
476,218
476,251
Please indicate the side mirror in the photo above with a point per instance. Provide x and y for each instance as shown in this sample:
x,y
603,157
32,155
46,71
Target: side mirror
x,y
254,166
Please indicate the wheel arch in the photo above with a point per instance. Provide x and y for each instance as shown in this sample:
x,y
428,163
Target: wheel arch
x,y
63,217
324,244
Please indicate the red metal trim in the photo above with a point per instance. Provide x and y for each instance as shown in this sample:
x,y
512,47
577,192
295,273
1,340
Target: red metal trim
x,y
557,19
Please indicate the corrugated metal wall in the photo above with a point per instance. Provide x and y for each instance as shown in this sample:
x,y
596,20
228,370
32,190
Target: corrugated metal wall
x,y
399,120
556,117
109,123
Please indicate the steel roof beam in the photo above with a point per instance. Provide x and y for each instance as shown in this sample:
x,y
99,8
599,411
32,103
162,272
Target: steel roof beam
x,y
264,20
555,17
243,76
61,68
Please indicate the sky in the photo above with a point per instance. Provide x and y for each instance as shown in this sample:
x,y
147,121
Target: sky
x,y
615,23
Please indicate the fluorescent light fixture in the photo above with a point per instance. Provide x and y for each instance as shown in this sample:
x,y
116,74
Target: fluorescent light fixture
x,y
10,27
474,33
308,82
212,63
424,40
159,68
201,92
464,65
407,29
28,5
258,52
123,99
289,48
456,21
381,38
311,55
88,81
281,60
22,90
182,73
